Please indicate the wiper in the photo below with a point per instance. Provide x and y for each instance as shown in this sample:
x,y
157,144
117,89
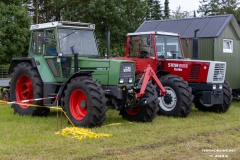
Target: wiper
x,y
69,34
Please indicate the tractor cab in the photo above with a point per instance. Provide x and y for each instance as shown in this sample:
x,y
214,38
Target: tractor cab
x,y
57,42
152,47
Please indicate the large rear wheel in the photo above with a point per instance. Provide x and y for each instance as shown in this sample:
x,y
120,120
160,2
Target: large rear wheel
x,y
146,112
177,102
85,102
218,108
26,84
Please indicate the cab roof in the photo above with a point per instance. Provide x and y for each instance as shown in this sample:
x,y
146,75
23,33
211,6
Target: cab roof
x,y
65,24
153,32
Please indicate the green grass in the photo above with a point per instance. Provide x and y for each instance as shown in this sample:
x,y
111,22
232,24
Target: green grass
x,y
27,137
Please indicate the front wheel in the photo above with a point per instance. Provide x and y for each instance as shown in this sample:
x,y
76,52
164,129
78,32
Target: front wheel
x,y
218,108
144,113
85,102
177,102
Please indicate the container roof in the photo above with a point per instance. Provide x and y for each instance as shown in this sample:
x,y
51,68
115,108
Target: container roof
x,y
210,26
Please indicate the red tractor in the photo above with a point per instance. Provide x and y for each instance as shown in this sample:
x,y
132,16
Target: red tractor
x,y
186,81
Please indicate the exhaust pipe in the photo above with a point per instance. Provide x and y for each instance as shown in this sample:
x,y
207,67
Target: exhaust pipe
x,y
75,59
195,45
108,44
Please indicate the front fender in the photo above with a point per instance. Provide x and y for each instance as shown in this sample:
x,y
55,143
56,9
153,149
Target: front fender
x,y
64,85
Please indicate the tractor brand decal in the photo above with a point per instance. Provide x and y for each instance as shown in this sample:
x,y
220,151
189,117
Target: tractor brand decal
x,y
177,66
102,69
127,69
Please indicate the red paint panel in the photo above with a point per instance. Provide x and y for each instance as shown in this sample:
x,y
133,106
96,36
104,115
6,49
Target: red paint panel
x,y
191,71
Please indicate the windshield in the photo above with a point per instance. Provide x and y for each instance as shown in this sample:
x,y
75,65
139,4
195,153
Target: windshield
x,y
168,47
81,41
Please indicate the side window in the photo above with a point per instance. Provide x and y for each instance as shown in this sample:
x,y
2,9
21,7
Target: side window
x,y
227,46
37,46
134,46
141,46
51,43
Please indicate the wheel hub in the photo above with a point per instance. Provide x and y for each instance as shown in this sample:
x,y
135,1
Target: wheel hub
x,y
168,98
169,101
83,104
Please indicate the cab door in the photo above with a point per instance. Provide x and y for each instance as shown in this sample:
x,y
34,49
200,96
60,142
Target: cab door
x,y
51,53
142,50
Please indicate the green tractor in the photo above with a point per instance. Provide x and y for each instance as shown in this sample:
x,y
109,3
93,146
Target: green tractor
x,y
63,62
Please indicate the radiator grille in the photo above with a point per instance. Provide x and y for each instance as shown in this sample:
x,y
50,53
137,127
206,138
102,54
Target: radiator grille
x,y
195,71
219,72
127,70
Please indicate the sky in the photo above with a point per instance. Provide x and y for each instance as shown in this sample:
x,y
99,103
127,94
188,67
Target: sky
x,y
186,5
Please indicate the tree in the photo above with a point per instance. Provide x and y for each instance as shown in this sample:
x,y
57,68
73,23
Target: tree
x,y
194,14
216,7
14,30
157,10
149,10
179,13
166,10
42,11
118,16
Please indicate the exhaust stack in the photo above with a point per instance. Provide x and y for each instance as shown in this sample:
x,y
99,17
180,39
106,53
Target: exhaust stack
x,y
195,45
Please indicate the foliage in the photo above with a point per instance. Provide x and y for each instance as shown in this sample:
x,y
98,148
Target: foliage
x,y
42,11
155,10
118,16
179,13
217,7
14,30
166,10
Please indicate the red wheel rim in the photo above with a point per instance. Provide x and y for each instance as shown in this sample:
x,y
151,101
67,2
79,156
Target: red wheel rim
x,y
24,89
78,104
134,111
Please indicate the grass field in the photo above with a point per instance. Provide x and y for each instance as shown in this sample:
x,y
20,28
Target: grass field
x,y
34,138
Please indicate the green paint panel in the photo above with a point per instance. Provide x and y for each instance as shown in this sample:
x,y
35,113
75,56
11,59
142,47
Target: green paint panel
x,y
232,59
114,72
212,49
205,48
44,70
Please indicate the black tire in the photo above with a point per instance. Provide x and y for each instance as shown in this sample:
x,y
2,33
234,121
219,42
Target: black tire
x,y
6,95
218,108
24,75
178,100
89,94
147,112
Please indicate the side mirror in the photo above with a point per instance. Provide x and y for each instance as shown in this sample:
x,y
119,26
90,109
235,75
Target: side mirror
x,y
44,40
60,54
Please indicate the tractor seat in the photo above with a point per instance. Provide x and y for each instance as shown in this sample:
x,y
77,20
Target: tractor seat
x,y
52,52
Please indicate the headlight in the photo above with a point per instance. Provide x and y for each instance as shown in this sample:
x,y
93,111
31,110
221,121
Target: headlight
x,y
121,80
130,80
214,86
220,86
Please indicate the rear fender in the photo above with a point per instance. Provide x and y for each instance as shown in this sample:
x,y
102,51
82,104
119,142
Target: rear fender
x,y
15,61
